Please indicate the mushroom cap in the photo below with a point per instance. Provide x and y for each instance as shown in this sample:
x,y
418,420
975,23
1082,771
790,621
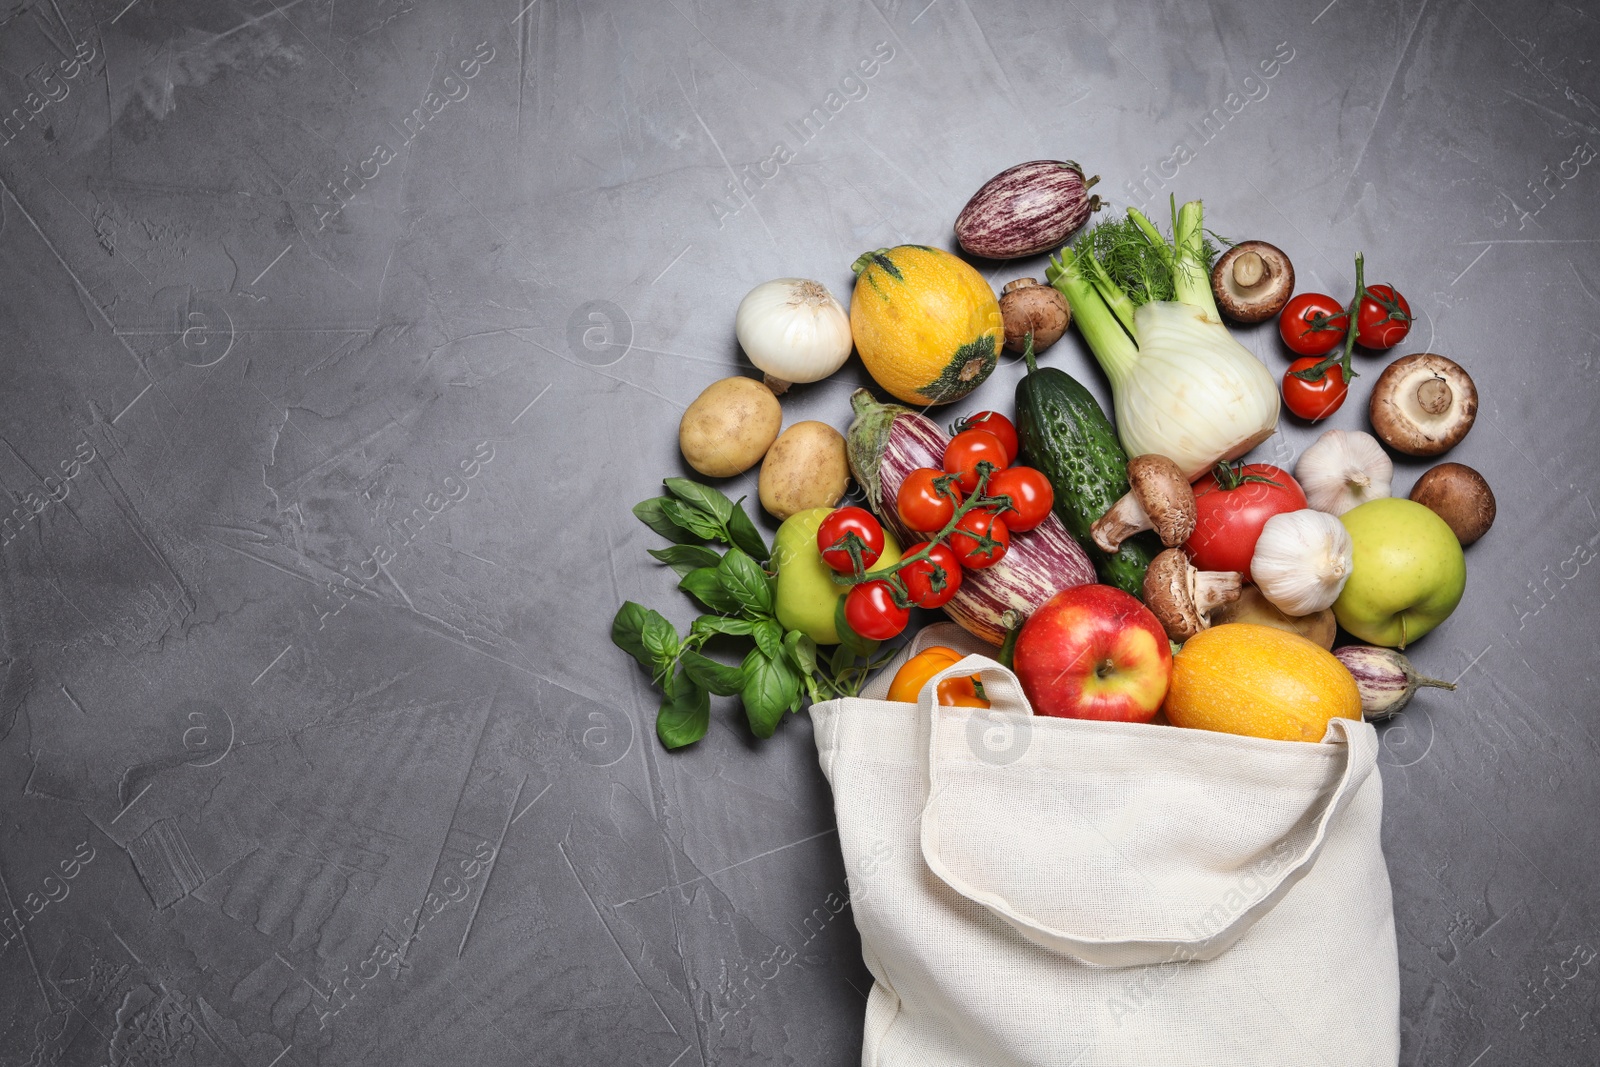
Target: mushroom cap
x,y
1423,404
1262,300
1165,495
1169,588
1026,305
1460,496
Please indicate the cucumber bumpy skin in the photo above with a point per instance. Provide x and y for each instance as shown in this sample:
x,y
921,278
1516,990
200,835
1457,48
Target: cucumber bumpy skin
x,y
1063,434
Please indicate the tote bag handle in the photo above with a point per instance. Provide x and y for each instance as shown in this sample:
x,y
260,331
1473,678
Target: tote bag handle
x,y
1009,708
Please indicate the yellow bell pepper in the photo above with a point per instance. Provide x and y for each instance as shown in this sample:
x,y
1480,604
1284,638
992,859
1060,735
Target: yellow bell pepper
x,y
953,692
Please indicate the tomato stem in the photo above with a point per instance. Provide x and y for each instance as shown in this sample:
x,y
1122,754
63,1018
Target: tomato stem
x,y
976,500
1311,374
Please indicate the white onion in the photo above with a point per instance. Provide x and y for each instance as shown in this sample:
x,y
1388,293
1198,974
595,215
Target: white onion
x,y
794,330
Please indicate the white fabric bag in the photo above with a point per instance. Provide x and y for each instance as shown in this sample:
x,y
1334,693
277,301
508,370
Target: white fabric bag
x,y
1069,893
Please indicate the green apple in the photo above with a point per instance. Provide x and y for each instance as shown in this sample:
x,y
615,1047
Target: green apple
x,y
807,594
1408,574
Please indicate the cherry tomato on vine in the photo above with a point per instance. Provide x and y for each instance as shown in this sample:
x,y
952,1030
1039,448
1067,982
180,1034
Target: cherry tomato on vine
x,y
1313,324
997,424
1030,493
832,533
969,448
922,507
1314,400
922,576
980,540
1383,319
870,611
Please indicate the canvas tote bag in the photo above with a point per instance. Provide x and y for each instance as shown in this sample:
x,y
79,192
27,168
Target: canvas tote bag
x,y
1069,893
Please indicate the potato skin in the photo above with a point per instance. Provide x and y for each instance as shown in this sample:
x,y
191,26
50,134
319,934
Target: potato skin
x,y
729,427
804,468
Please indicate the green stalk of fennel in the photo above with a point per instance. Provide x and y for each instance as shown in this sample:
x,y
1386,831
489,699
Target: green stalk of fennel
x,y
1181,386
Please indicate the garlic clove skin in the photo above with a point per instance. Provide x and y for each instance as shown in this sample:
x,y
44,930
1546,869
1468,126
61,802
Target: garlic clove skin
x,y
1302,560
1343,469
794,330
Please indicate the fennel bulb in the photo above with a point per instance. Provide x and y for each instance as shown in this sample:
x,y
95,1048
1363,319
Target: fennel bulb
x,y
1181,386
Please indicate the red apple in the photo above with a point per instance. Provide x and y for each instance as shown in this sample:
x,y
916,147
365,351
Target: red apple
x,y
1094,652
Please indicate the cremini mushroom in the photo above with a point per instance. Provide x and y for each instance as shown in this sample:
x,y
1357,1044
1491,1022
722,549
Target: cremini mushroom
x,y
1025,306
1252,281
1458,495
1423,404
1182,597
1158,498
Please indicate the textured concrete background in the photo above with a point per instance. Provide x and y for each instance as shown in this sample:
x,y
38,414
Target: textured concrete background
x,y
288,779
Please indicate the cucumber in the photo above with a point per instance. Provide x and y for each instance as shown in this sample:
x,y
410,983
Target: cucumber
x,y
1062,432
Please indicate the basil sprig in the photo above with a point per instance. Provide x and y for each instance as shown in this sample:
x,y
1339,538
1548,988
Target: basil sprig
x,y
780,670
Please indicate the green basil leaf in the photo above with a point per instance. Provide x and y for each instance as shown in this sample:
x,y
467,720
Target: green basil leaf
x,y
685,558
848,637
802,650
692,519
685,712
652,514
769,688
745,535
747,582
627,631
840,660
660,642
707,499
769,638
705,585
706,625
707,673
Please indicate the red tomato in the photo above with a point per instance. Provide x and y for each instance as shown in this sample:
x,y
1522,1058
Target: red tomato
x,y
995,423
1383,319
922,507
1313,324
969,448
870,611
941,568
1314,400
980,540
832,534
1229,520
1030,493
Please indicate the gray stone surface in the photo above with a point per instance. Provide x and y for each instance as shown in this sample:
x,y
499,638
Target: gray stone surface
x,y
338,337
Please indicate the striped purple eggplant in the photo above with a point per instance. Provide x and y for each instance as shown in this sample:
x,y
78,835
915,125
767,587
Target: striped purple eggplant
x,y
1385,678
1028,209
887,442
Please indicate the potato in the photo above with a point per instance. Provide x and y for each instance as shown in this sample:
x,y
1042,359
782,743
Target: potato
x,y
804,468
729,427
1253,607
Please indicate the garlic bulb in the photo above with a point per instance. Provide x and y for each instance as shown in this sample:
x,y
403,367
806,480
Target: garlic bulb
x,y
1343,468
1302,560
794,330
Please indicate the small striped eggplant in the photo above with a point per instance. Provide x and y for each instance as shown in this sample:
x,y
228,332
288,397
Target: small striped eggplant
x,y
1385,678
886,443
1028,209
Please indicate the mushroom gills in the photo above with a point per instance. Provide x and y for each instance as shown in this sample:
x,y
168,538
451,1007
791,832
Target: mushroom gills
x,y
1159,498
1423,404
1183,597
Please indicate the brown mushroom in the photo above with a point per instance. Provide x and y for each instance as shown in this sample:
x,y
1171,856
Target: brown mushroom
x,y
1182,597
1458,495
1423,404
1158,498
1025,306
1252,281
